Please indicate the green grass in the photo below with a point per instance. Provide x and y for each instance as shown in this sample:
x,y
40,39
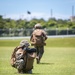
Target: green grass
x,y
10,43
55,61
51,42
58,59
61,42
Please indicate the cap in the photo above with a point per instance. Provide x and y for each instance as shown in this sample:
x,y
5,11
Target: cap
x,y
24,43
38,25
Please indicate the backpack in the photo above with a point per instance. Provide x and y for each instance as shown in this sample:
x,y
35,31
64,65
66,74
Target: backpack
x,y
29,59
37,37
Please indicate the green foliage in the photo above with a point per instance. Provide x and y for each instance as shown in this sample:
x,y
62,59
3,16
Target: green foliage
x,y
50,23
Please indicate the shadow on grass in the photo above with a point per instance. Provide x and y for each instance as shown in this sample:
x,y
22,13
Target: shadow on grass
x,y
47,63
26,73
35,73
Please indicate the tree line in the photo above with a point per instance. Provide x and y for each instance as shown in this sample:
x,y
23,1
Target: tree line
x,y
51,23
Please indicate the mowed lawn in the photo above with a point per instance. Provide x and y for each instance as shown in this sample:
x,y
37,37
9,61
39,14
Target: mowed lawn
x,y
58,59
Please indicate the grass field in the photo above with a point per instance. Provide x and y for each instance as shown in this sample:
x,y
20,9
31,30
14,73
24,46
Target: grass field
x,y
58,59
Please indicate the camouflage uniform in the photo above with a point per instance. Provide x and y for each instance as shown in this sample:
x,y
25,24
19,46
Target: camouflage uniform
x,y
17,58
40,48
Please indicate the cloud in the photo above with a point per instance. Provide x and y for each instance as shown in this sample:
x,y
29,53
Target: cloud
x,y
27,16
62,16
37,15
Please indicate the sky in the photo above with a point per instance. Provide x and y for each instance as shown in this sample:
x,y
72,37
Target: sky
x,y
17,9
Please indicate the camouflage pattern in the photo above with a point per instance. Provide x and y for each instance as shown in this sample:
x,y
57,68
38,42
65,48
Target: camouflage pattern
x,y
40,52
24,43
40,47
21,60
19,64
44,37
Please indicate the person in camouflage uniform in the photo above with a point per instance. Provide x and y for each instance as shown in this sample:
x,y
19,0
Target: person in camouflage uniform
x,y
20,58
40,46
